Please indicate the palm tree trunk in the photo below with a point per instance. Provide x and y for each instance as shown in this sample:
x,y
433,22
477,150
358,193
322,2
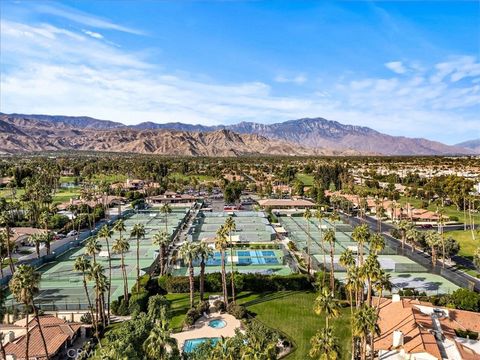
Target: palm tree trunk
x,y
9,254
2,348
202,278
35,311
161,254
332,276
109,280
95,323
224,280
124,274
138,263
97,310
190,279
232,274
27,335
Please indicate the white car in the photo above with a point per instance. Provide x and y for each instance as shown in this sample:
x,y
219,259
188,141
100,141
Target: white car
x,y
72,233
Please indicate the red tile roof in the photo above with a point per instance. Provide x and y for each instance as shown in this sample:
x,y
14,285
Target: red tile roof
x,y
55,331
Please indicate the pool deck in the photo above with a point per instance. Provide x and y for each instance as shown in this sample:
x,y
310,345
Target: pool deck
x,y
202,330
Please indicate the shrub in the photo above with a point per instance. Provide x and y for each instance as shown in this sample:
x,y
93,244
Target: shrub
x,y
86,318
138,302
453,218
467,334
237,310
219,305
177,284
191,317
203,307
465,299
114,307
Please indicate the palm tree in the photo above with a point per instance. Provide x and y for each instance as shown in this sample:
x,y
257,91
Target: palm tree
x,y
44,219
96,275
204,252
121,246
83,265
433,238
47,239
119,226
106,233
36,239
361,234
24,286
382,284
165,210
324,345
138,232
325,303
404,226
365,325
307,215
230,226
221,245
412,236
5,219
370,271
188,252
377,243
92,247
319,214
158,344
329,237
162,239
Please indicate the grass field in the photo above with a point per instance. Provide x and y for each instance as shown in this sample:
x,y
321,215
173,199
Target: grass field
x,y
305,178
467,244
449,210
287,311
199,177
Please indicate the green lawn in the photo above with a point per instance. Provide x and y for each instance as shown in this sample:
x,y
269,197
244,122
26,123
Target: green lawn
x,y
199,177
467,245
64,195
305,178
449,210
289,312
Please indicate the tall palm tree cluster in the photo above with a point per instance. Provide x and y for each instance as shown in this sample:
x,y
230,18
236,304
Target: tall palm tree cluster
x,y
145,336
365,277
192,252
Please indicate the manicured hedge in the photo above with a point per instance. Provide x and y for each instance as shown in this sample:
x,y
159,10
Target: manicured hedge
x,y
243,282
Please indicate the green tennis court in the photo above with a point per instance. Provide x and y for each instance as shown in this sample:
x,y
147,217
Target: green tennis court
x,y
62,288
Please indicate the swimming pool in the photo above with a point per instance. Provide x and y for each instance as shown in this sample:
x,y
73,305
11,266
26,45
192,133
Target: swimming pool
x,y
217,323
191,344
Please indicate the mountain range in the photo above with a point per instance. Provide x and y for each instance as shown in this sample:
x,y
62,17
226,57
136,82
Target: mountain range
x,y
309,136
471,144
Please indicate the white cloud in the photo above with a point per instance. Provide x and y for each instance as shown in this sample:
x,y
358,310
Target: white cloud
x,y
83,18
47,69
93,34
396,67
298,79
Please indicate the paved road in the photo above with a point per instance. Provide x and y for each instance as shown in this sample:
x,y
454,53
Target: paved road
x,y
448,270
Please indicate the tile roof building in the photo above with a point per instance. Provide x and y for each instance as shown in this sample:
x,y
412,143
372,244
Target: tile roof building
x,y
414,330
58,334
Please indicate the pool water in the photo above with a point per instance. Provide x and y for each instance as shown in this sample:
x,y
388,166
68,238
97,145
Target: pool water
x,y
217,324
191,344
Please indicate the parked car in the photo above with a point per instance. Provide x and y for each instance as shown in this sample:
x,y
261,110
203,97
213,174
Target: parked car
x,y
72,233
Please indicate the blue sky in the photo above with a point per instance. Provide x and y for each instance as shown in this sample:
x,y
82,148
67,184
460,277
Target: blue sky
x,y
404,68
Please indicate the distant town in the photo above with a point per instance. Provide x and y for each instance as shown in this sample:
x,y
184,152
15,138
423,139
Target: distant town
x,y
377,255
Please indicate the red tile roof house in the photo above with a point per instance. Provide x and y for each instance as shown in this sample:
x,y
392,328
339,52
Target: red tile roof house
x,y
59,335
408,328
